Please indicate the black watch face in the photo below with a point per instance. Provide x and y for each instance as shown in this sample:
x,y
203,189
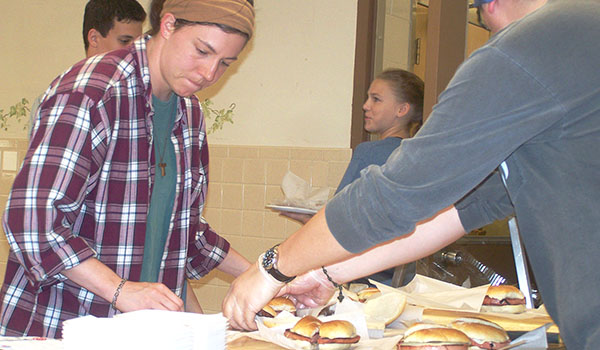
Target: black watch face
x,y
268,259
267,262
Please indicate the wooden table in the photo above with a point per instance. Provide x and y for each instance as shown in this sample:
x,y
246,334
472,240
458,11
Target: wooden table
x,y
247,343
509,324
432,315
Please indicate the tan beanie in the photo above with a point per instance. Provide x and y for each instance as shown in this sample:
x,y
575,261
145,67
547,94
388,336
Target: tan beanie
x,y
237,14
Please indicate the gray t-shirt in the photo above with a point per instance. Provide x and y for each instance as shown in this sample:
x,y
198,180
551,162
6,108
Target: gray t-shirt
x,y
529,98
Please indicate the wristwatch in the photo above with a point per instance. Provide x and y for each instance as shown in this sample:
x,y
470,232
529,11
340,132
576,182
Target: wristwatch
x,y
269,263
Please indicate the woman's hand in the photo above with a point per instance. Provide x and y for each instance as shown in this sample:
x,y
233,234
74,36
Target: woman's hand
x,y
144,295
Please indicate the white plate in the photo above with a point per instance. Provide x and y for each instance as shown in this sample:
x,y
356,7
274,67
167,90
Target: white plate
x,y
291,209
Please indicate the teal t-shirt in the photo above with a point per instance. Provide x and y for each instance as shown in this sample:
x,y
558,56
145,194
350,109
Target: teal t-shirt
x,y
163,192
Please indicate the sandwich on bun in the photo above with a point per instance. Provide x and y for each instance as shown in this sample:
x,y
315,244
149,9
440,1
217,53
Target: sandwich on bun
x,y
484,334
426,336
504,299
305,332
337,335
331,335
277,305
367,293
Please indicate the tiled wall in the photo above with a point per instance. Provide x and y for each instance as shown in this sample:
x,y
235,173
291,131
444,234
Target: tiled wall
x,y
12,152
242,181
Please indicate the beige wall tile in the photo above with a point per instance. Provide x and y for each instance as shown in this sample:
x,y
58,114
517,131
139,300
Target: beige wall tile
x,y
214,198
274,194
254,171
22,144
243,152
215,169
232,170
6,182
252,247
274,226
253,223
237,242
342,155
3,199
306,154
218,151
254,197
301,168
335,173
274,153
4,249
2,271
211,304
210,297
231,222
10,160
319,173
213,217
276,169
215,277
232,196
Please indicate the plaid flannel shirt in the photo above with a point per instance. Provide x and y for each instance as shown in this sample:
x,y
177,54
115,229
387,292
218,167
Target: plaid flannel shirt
x,y
84,191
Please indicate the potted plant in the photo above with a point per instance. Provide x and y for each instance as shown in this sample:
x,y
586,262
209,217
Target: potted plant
x,y
218,116
17,112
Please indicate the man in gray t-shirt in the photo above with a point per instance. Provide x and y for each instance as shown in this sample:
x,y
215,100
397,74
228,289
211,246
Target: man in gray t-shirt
x,y
528,104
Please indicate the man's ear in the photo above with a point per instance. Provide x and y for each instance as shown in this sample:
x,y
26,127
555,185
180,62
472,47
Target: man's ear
x,y
93,36
491,6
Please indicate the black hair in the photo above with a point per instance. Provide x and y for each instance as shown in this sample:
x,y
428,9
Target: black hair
x,y
156,7
100,15
407,87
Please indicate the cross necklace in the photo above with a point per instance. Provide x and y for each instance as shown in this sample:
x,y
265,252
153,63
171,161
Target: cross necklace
x,y
162,164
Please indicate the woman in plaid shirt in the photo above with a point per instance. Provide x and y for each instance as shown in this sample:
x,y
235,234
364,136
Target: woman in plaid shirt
x,y
105,213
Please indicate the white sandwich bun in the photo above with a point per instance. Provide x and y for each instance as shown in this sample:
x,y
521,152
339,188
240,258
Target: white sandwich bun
x,y
384,308
503,299
337,335
483,333
426,336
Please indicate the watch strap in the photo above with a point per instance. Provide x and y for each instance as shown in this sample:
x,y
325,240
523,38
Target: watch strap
x,y
269,263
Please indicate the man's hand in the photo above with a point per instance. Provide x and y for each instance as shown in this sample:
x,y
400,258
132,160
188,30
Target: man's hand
x,y
143,295
309,290
247,295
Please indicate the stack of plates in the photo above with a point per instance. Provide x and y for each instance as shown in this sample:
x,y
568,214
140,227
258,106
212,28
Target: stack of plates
x,y
146,329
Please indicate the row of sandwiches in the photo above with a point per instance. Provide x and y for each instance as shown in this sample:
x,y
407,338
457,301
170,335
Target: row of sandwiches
x,y
464,333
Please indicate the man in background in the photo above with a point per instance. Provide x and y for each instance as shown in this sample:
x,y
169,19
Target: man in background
x,y
107,25
111,24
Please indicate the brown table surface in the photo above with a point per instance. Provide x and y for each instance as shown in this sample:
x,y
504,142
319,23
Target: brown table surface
x,y
247,343
509,324
438,316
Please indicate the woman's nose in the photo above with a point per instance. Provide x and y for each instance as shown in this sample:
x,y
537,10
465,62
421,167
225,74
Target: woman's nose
x,y
209,71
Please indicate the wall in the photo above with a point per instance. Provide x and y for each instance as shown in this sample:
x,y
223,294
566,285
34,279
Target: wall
x,y
292,85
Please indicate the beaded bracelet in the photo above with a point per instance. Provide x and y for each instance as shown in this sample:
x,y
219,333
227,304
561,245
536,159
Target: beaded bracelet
x,y
117,292
339,287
